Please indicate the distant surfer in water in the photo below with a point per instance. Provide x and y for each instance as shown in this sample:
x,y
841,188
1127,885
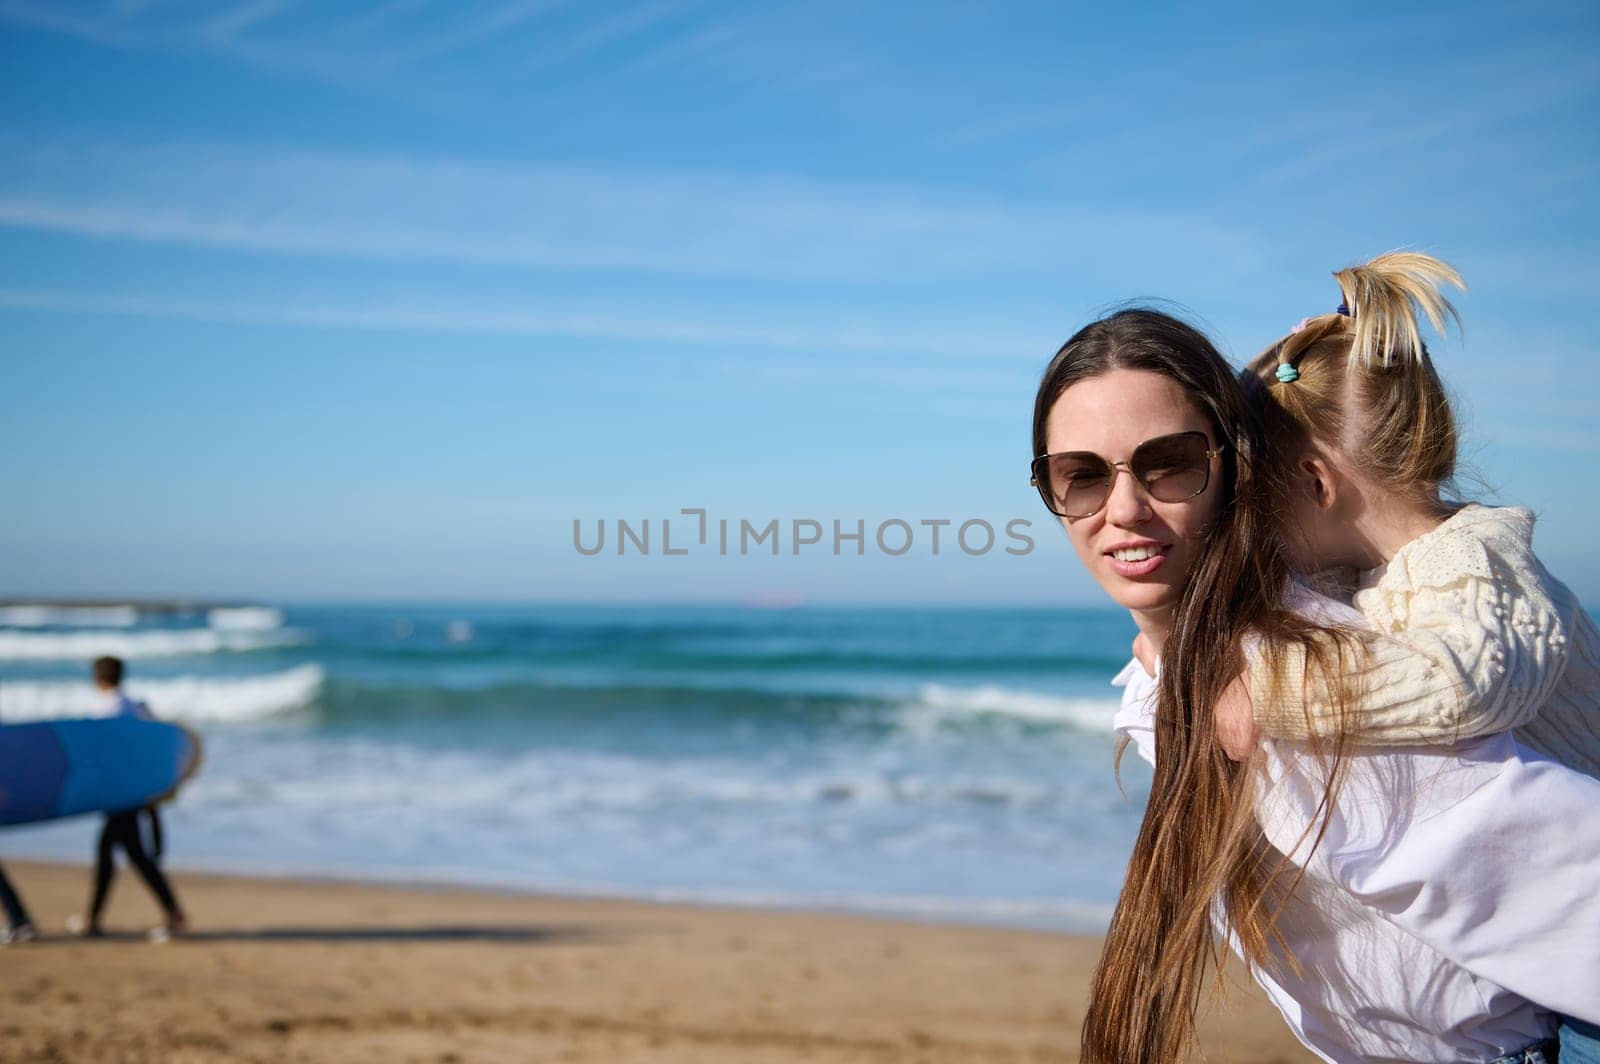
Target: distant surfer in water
x,y
122,828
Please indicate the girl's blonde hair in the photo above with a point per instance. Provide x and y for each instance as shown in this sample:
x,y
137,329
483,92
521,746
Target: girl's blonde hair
x,y
1361,380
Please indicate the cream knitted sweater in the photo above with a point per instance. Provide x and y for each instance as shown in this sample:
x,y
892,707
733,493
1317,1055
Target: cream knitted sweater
x,y
1474,636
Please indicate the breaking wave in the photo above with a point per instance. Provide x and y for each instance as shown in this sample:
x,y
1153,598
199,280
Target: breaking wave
x,y
188,698
149,643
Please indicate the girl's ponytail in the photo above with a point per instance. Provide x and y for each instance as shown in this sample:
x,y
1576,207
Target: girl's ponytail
x,y
1361,382
1383,297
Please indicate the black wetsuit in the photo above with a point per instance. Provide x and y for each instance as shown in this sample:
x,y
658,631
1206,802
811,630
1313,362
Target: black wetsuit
x,y
16,915
122,829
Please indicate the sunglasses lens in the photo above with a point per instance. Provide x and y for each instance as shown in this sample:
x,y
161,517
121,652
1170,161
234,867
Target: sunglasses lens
x,y
1173,468
1076,484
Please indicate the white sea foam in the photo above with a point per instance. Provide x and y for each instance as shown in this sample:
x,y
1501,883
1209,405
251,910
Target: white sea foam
x,y
937,703
24,615
245,618
151,643
190,698
374,775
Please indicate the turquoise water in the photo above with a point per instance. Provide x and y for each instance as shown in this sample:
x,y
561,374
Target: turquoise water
x,y
945,762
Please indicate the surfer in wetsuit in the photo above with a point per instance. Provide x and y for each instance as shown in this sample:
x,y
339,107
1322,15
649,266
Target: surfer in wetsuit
x,y
122,828
19,927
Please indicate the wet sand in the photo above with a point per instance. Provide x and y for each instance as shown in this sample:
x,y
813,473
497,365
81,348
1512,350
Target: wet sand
x,y
281,970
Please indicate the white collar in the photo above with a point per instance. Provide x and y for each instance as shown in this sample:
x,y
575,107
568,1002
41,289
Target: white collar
x,y
1129,672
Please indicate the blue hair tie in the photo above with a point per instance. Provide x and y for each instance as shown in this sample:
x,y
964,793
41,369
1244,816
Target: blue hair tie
x,y
1287,374
1344,310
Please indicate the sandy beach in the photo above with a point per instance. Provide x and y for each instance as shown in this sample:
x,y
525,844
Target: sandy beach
x,y
324,972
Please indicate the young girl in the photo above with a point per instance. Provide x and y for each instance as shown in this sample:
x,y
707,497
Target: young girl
x,y
1477,636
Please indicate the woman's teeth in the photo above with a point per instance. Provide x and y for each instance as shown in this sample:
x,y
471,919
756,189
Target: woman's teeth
x,y
1135,554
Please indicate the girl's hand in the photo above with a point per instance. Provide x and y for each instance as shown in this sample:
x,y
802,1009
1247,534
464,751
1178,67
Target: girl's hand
x,y
1236,722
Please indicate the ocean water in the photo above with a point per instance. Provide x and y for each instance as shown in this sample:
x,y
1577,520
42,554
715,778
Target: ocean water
x,y
947,763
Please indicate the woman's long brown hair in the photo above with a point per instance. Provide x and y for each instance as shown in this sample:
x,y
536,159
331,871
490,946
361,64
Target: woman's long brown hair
x,y
1199,848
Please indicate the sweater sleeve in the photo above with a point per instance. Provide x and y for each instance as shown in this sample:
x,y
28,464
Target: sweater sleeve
x,y
1469,642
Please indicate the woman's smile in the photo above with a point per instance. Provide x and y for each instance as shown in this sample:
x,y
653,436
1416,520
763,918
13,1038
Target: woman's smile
x,y
1136,558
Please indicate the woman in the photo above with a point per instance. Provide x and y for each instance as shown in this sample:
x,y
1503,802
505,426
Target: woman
x,y
1371,933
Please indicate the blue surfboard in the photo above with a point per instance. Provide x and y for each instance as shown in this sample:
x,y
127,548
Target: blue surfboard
x,y
104,765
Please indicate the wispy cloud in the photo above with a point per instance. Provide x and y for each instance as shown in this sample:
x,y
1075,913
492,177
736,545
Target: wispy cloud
x,y
231,22
1099,101
320,50
693,42
486,23
223,33
102,29
614,28
1378,133
476,212
985,341
135,8
1388,134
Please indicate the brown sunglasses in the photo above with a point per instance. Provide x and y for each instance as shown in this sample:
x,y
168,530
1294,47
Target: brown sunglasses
x,y
1170,469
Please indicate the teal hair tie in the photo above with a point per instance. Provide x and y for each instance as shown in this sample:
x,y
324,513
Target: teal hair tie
x,y
1287,374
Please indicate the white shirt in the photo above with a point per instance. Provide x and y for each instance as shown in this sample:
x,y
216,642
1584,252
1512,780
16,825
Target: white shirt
x,y
1454,888
114,703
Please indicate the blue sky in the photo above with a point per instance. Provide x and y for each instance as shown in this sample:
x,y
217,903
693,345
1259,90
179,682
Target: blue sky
x,y
373,300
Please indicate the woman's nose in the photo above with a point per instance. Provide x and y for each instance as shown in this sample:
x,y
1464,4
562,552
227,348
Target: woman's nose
x,y
1128,504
